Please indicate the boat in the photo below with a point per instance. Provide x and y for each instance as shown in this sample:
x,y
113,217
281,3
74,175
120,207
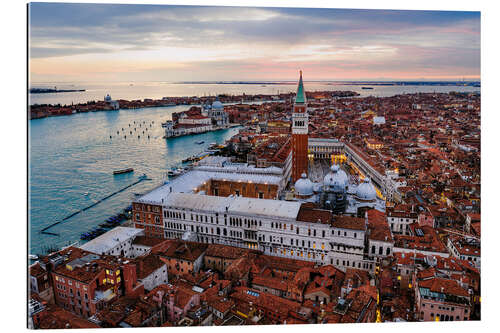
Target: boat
x,y
366,87
119,172
86,193
199,142
189,159
174,172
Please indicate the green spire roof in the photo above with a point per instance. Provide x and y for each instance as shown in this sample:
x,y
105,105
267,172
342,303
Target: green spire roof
x,y
301,95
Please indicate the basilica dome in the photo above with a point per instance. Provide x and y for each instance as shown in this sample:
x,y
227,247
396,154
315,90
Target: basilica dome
x,y
303,186
336,179
217,105
366,191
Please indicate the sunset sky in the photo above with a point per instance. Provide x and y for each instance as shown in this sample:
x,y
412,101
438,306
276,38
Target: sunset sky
x,y
97,42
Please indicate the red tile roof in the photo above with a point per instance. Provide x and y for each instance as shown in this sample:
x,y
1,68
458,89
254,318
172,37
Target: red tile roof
x,y
348,222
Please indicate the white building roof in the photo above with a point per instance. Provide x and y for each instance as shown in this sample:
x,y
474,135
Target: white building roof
x,y
235,205
188,182
198,202
109,240
266,207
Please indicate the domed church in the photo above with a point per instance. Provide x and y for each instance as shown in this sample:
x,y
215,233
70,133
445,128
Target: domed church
x,y
216,113
304,188
334,194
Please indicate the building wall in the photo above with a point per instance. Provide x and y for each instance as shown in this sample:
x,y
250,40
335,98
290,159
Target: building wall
x,y
178,266
300,162
217,263
137,250
315,242
379,249
249,190
75,296
400,225
197,121
426,219
318,296
148,217
159,276
428,309
452,247
270,290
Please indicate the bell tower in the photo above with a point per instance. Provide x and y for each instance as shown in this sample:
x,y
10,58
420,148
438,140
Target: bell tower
x,y
300,126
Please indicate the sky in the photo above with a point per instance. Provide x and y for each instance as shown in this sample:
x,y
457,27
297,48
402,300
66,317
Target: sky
x,y
112,42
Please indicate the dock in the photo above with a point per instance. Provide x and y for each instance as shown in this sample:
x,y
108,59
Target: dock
x,y
45,230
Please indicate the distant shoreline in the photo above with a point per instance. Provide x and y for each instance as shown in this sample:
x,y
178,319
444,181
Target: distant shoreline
x,y
348,83
51,91
37,111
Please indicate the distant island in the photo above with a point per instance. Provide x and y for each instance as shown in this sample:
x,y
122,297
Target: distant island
x,y
348,83
51,90
48,110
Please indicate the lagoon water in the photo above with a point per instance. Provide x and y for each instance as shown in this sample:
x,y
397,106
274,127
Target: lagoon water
x,y
72,155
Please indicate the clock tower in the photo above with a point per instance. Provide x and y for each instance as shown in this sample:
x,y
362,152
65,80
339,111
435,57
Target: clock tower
x,y
300,126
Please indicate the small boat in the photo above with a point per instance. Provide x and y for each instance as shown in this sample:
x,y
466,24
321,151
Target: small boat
x,y
199,142
32,256
86,193
118,172
189,159
366,87
174,172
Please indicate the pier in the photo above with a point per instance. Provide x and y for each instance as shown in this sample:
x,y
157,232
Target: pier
x,y
45,230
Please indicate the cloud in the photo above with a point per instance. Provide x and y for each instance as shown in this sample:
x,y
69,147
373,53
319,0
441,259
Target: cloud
x,y
248,36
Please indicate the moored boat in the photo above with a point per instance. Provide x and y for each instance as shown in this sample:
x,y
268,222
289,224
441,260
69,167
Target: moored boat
x,y
118,172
